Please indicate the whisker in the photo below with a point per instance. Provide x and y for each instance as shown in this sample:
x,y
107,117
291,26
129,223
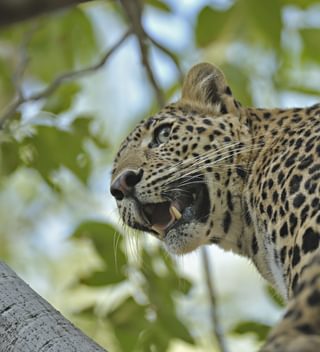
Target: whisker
x,y
197,182
213,163
177,189
116,241
199,157
203,155
203,158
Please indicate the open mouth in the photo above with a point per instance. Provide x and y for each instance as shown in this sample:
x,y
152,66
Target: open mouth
x,y
187,202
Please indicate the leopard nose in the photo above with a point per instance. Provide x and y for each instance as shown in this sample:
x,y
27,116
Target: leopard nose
x,y
124,184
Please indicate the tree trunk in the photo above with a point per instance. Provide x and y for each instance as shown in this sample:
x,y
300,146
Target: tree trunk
x,y
28,323
12,11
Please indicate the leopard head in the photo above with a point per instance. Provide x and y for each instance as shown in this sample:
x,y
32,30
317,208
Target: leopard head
x,y
178,173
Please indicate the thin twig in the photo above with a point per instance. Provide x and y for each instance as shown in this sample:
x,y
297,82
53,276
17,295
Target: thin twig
x,y
144,54
217,329
72,75
23,60
82,72
133,10
168,53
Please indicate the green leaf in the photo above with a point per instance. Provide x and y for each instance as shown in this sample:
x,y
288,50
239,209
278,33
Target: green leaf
x,y
155,338
104,237
301,89
174,327
61,43
14,34
129,323
240,83
210,24
137,327
103,278
61,100
260,330
310,37
87,312
137,333
160,5
275,297
6,83
300,3
50,149
264,18
81,126
9,157
161,297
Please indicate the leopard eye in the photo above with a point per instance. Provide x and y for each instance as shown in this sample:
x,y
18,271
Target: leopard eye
x,y
162,134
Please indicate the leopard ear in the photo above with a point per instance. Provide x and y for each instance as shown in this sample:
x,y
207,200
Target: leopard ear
x,y
206,86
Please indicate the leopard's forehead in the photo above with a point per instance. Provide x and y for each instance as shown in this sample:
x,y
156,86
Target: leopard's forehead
x,y
141,134
174,113
169,114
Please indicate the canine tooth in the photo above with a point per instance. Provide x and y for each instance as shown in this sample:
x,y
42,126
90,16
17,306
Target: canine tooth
x,y
158,230
175,212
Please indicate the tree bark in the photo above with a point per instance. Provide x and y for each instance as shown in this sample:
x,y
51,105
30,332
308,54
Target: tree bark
x,y
28,323
12,11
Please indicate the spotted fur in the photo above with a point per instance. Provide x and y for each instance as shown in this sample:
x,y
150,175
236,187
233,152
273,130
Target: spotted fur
x,y
262,170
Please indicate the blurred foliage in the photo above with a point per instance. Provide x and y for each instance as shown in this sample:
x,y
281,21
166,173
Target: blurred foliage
x,y
102,237
138,326
270,45
160,5
44,149
275,297
260,330
62,99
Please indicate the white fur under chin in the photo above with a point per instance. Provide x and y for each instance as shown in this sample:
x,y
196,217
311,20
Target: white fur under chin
x,y
177,243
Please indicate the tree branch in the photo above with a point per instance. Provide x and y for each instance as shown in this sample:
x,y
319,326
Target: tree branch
x,y
72,75
213,302
133,10
168,53
28,323
12,11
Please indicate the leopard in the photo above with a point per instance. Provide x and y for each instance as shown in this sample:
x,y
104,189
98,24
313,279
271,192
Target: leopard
x,y
206,170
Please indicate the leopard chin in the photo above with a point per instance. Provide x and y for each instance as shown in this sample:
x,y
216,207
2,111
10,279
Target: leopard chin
x,y
185,239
